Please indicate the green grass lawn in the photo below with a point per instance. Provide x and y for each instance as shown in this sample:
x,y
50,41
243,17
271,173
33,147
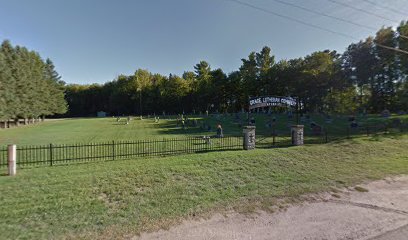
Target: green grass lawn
x,y
94,130
122,198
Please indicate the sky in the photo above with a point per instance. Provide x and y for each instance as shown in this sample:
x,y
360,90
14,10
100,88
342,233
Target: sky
x,y
93,41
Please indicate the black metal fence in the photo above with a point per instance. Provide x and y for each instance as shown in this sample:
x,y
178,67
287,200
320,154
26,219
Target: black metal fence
x,y
54,154
57,154
283,138
3,156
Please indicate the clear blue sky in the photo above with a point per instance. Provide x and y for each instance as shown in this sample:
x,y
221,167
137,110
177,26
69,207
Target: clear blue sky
x,y
96,40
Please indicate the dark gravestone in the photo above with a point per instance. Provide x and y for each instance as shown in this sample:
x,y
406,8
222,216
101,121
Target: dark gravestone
x,y
316,129
401,112
385,113
354,125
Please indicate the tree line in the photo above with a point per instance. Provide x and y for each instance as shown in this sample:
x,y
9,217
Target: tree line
x,y
30,88
366,77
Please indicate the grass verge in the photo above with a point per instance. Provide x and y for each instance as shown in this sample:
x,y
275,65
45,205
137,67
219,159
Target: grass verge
x,y
123,198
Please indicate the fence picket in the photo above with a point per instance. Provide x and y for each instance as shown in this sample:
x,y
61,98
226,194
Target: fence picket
x,y
53,154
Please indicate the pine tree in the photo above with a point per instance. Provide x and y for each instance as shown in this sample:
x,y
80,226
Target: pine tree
x,y
57,103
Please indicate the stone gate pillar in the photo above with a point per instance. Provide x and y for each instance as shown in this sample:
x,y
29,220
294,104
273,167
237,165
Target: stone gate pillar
x,y
297,135
249,137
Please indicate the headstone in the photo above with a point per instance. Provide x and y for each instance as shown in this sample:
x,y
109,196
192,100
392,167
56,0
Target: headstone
x,y
401,112
354,124
329,119
249,137
297,134
101,114
385,114
207,139
316,129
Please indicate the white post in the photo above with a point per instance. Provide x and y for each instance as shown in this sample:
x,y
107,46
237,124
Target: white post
x,y
12,157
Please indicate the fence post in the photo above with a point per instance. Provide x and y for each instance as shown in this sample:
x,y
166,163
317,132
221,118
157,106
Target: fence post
x,y
113,150
249,137
12,158
50,154
274,140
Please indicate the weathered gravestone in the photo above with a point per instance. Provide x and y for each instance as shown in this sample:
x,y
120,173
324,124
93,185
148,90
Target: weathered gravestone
x,y
316,129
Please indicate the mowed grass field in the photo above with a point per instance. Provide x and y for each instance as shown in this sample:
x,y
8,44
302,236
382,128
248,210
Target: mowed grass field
x,y
122,198
95,130
118,199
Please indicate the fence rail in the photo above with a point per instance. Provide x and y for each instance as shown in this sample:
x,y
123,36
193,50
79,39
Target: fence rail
x,y
54,154
283,138
57,154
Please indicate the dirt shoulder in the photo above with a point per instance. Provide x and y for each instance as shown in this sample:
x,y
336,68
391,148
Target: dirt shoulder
x,y
380,213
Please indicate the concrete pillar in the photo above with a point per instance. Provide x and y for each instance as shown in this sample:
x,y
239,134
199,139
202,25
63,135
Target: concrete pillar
x,y
297,135
12,157
249,137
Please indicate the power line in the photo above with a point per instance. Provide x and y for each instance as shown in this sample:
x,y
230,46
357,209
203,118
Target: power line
x,y
325,15
362,10
293,19
329,16
310,24
385,7
391,48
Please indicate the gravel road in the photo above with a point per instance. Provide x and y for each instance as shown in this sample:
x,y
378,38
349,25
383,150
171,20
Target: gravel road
x,y
379,214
